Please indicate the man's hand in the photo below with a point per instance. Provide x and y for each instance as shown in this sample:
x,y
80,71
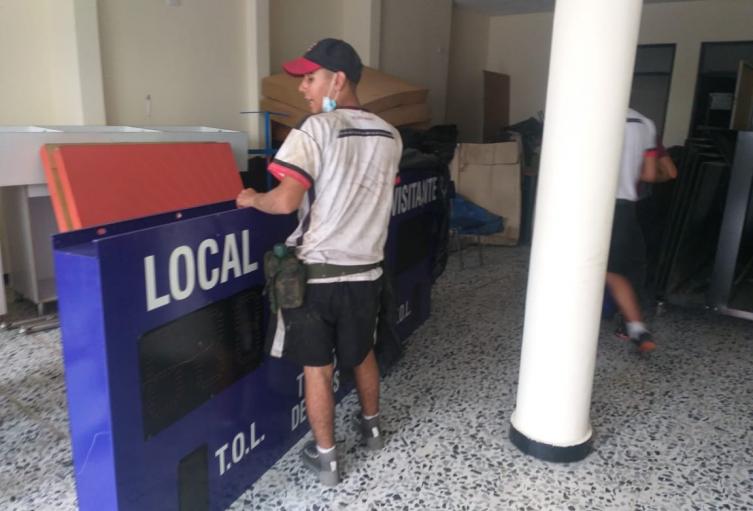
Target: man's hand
x,y
666,168
245,199
283,199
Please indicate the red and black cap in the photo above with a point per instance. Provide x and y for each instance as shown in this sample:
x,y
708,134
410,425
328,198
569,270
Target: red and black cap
x,y
333,54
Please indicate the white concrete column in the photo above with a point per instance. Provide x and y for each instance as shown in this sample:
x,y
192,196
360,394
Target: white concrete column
x,y
362,24
77,90
590,74
257,42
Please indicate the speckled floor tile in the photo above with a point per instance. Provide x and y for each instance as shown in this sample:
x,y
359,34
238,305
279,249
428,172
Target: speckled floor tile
x,y
671,432
22,355
36,470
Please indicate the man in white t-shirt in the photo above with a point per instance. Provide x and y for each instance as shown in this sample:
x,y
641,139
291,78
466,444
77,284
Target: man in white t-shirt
x,y
337,169
643,159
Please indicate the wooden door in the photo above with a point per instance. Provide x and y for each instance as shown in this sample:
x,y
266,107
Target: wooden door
x,y
496,104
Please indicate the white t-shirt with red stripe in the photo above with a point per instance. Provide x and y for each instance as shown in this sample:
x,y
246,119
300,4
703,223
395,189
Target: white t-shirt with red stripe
x,y
640,137
347,160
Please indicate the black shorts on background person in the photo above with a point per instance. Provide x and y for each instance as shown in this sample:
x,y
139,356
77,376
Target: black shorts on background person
x,y
643,160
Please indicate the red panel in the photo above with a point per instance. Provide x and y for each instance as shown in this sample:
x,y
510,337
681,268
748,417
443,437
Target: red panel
x,y
93,184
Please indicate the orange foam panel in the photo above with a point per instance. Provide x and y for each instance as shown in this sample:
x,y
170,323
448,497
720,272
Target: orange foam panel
x,y
94,184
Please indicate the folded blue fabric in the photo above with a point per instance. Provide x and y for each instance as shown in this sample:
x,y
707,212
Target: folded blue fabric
x,y
470,218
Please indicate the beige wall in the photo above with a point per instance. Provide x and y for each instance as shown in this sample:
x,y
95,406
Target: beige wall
x,y
257,66
362,25
50,70
519,46
25,91
75,63
415,46
191,60
465,83
297,24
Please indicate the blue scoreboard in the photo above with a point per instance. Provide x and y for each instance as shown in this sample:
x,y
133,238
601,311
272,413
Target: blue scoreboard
x,y
172,403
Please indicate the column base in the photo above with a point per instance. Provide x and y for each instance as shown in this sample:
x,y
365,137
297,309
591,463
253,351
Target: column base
x,y
548,452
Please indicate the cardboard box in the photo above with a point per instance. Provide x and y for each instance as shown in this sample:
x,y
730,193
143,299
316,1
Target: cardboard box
x,y
399,116
377,91
490,175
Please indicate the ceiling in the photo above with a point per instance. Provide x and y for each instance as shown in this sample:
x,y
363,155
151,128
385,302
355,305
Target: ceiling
x,y
505,7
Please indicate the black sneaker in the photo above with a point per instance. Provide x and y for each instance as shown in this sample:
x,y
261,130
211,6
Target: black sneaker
x,y
621,331
323,465
644,343
370,433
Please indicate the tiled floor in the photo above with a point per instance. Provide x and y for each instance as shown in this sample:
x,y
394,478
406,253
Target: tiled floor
x,y
672,432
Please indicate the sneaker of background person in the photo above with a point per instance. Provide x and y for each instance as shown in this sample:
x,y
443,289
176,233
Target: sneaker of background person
x,y
644,342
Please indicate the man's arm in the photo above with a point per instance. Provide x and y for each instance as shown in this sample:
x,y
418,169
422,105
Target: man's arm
x,y
657,169
284,199
667,168
649,171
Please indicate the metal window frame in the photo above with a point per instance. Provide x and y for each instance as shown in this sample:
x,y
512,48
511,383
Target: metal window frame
x,y
733,223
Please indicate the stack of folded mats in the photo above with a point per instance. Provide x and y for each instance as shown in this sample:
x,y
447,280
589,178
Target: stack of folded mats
x,y
395,101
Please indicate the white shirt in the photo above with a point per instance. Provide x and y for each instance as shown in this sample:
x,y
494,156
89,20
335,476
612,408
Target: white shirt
x,y
347,160
640,136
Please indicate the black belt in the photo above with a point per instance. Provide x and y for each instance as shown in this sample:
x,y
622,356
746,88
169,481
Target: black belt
x,y
327,271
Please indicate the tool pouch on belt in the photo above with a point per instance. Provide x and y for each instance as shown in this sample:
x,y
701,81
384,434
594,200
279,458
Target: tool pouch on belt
x,y
285,278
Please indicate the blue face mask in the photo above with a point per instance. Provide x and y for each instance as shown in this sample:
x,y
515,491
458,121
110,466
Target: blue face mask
x,y
329,104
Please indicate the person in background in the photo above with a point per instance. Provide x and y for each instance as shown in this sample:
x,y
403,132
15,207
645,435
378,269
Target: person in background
x,y
337,169
643,160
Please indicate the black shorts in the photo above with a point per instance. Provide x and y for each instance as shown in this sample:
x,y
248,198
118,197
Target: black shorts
x,y
627,250
338,318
